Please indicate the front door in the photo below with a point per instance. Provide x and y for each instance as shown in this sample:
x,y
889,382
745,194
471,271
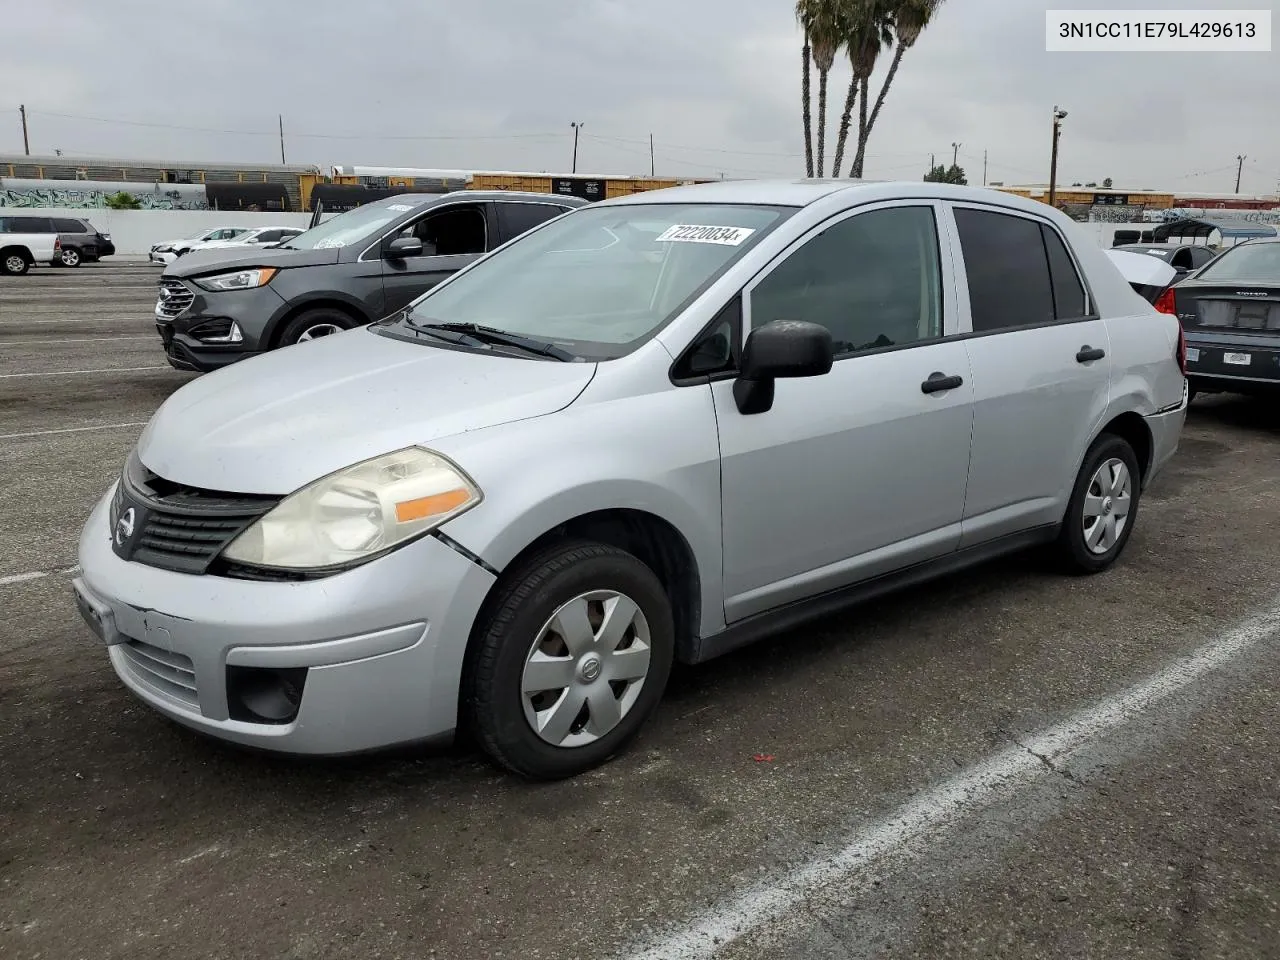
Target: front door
x,y
1041,369
452,236
861,471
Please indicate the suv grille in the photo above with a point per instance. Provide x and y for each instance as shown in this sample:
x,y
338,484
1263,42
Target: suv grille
x,y
177,527
174,297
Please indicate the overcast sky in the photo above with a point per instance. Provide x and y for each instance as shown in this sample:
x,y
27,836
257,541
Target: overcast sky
x,y
717,82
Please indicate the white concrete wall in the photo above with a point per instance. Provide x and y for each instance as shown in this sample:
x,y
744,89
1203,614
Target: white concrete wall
x,y
134,231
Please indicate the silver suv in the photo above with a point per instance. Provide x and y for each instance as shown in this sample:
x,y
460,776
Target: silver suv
x,y
655,428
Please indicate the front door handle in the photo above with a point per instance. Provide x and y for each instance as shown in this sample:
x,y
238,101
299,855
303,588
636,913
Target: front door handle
x,y
1088,354
938,382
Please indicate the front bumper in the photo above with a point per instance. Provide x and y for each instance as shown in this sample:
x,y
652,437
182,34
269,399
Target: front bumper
x,y
252,310
382,644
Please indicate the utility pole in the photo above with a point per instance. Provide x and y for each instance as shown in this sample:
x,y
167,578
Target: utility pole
x,y
1058,117
281,118
984,168
576,127
651,167
955,153
931,163
26,144
1240,159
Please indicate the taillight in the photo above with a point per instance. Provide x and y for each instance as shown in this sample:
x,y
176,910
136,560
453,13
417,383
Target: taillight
x,y
1181,350
1167,302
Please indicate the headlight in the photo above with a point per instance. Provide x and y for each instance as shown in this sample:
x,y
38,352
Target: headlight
x,y
357,512
239,280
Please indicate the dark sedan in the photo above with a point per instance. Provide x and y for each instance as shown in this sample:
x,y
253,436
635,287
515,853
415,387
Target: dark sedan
x,y
1183,257
1230,313
219,306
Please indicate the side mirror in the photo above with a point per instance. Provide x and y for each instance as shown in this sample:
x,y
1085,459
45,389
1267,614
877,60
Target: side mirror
x,y
402,247
782,348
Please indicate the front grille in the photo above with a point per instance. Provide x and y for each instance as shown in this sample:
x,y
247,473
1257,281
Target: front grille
x,y
180,527
169,673
174,297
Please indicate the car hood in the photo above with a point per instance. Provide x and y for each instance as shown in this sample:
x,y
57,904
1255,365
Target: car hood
x,y
204,260
274,423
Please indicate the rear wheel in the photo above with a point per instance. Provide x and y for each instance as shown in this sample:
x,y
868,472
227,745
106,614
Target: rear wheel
x,y
15,263
70,257
1103,506
314,324
570,661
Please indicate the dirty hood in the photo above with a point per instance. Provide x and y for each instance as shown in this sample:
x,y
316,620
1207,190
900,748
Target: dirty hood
x,y
273,423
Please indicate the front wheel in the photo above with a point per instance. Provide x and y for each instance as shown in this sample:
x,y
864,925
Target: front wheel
x,y
570,661
15,264
314,324
1103,506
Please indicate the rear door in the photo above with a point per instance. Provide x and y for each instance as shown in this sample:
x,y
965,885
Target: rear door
x,y
453,235
519,216
1041,369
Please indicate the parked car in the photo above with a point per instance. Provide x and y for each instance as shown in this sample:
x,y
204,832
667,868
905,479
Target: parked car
x,y
258,236
169,250
1230,311
350,270
655,429
78,240
19,252
1185,258
1150,277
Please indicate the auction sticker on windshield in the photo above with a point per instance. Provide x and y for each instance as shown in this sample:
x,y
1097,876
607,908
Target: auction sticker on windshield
x,y
692,233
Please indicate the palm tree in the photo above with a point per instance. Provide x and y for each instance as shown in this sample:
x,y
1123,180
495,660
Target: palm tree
x,y
868,26
803,16
910,17
823,20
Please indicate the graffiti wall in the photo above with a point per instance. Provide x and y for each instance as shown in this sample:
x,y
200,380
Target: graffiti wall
x,y
93,195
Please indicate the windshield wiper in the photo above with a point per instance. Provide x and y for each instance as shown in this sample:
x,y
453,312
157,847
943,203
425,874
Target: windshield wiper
x,y
493,335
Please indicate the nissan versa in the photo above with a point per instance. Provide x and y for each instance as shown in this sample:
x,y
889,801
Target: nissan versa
x,y
654,429
217,306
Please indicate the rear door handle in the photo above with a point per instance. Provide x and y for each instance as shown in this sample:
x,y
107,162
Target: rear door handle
x,y
1088,354
938,382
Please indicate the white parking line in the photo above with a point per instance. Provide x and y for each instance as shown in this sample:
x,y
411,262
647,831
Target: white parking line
x,y
910,831
48,433
82,320
80,340
67,373
36,575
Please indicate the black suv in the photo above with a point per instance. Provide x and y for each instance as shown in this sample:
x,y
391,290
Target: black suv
x,y
80,239
222,305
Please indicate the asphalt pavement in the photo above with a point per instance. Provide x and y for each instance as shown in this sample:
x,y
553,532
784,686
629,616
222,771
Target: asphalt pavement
x,y
1006,763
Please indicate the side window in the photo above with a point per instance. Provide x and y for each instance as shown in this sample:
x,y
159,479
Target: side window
x,y
31,225
713,351
872,279
457,230
1182,259
268,236
68,226
1068,291
1200,256
1007,269
518,218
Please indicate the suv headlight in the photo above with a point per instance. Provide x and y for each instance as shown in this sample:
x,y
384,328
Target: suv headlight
x,y
238,280
357,512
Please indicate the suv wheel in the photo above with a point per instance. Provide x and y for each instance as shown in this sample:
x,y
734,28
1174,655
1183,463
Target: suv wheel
x,y
570,661
1103,506
15,263
70,257
314,324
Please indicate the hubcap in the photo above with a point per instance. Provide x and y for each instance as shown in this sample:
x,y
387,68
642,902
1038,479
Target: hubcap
x,y
1106,505
586,668
70,258
319,330
14,264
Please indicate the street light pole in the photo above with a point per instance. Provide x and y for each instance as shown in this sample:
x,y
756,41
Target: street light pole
x,y
1058,117
576,128
1240,159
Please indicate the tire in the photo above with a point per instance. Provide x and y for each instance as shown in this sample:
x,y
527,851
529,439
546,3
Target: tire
x,y
1090,495
70,257
14,263
314,324
518,624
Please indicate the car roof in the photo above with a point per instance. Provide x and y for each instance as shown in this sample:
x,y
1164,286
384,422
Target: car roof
x,y
420,199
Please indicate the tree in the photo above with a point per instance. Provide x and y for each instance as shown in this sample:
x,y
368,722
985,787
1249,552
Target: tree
x,y
905,19
868,26
122,201
822,21
944,174
803,16
1106,184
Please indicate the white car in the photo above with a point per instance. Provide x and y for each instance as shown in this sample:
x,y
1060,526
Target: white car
x,y
170,250
19,252
258,236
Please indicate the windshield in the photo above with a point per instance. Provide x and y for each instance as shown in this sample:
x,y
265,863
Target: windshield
x,y
352,226
1249,261
603,279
